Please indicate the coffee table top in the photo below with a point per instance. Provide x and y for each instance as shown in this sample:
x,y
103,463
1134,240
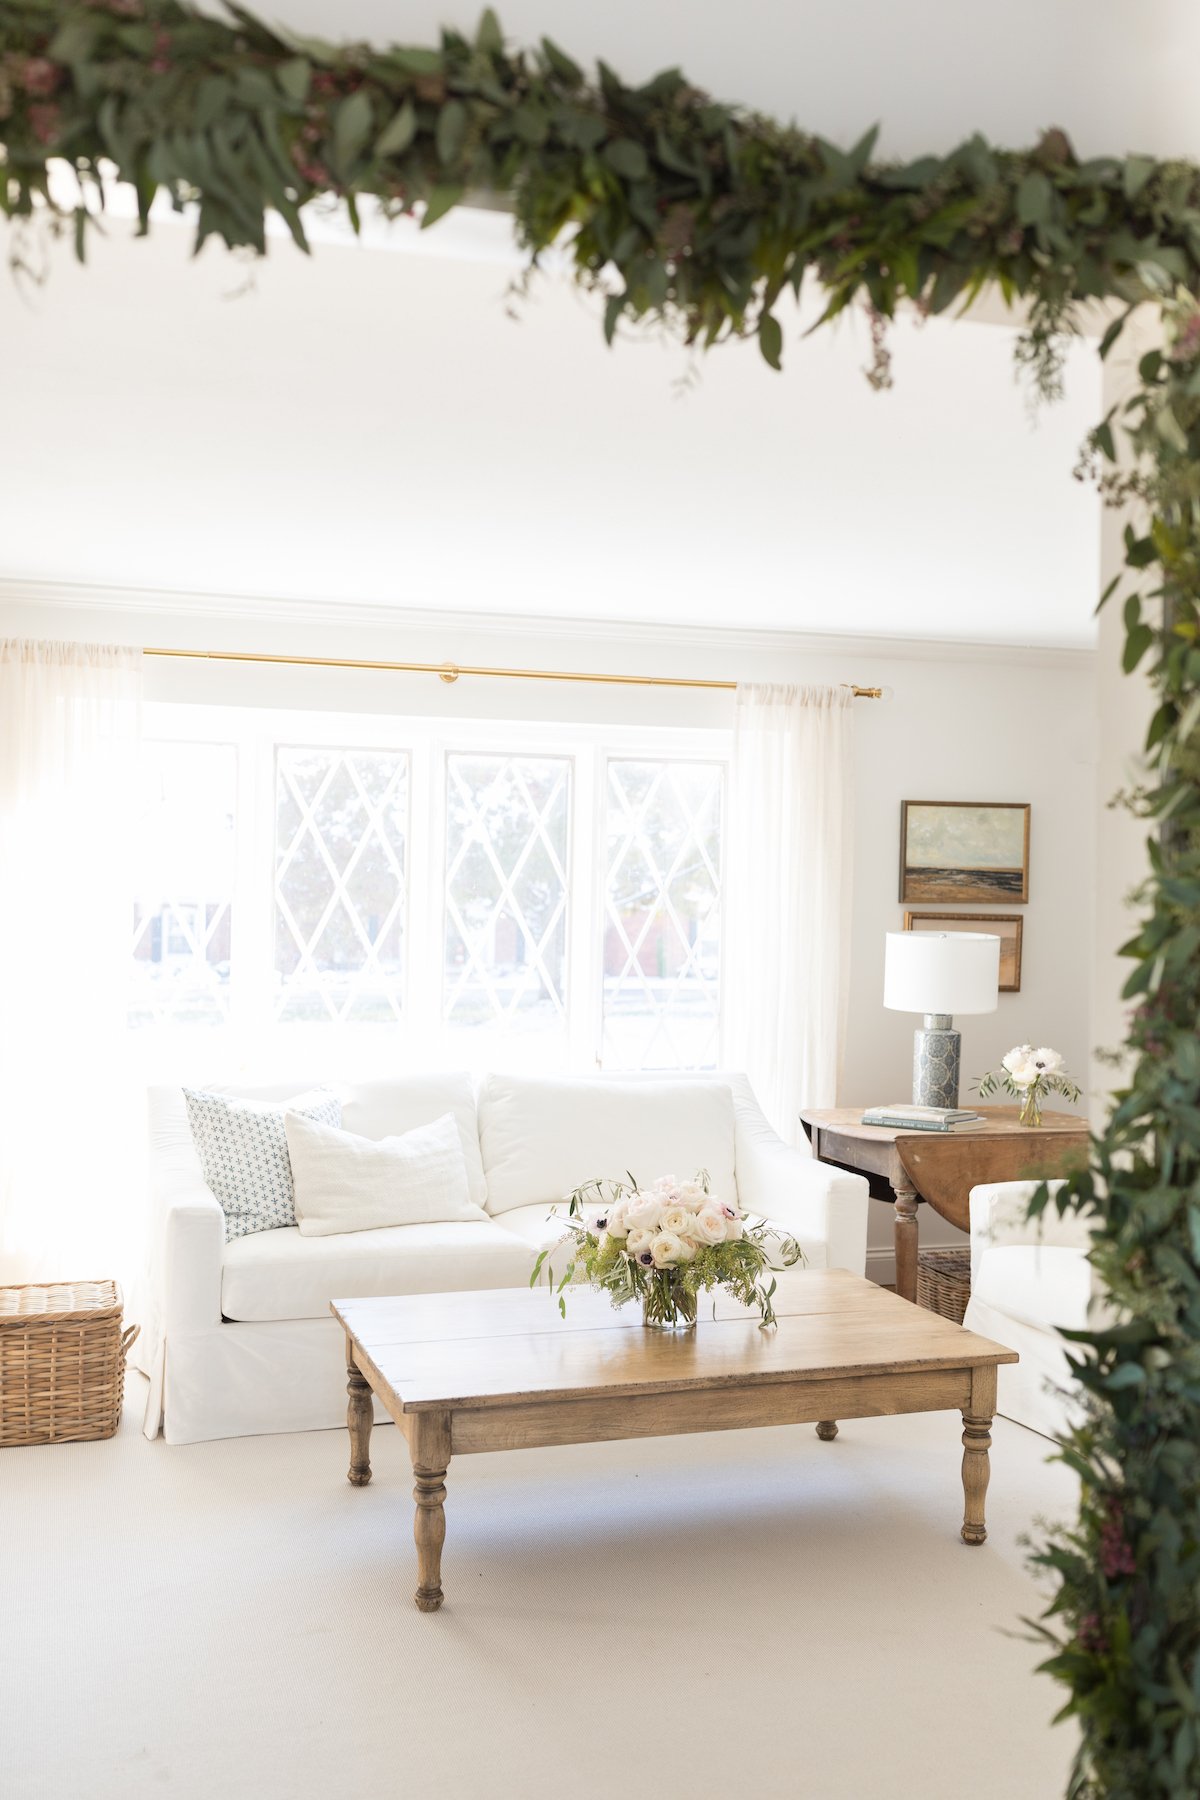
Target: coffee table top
x,y
505,1345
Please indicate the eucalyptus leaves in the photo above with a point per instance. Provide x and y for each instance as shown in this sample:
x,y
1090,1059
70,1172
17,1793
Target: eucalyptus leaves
x,y
676,206
702,216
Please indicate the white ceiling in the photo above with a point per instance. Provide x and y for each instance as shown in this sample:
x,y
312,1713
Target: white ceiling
x,y
375,427
1117,74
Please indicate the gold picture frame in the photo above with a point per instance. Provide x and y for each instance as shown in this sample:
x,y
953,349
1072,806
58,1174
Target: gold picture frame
x,y
1008,927
964,850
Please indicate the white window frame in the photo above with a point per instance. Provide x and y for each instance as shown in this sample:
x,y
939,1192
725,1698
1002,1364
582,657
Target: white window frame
x,y
256,733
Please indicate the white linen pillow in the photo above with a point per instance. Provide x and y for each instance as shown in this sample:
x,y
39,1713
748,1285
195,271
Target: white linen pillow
x,y
542,1136
392,1105
343,1182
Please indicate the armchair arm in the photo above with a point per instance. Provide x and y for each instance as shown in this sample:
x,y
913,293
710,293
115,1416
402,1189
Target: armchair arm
x,y
824,1208
998,1216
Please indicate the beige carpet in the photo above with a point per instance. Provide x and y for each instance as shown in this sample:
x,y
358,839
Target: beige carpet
x,y
746,1613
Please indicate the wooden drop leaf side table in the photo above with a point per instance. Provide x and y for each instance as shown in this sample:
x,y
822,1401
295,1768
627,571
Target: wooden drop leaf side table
x,y
941,1167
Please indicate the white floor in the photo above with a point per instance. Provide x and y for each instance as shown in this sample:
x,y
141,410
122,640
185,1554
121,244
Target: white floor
x,y
745,1613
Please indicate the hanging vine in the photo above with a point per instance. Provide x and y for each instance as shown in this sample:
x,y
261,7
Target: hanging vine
x,y
702,216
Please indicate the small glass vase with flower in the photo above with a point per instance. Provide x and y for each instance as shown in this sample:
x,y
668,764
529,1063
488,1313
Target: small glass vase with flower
x,y
1029,1075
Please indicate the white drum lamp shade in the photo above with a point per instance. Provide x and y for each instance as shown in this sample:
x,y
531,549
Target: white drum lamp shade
x,y
941,972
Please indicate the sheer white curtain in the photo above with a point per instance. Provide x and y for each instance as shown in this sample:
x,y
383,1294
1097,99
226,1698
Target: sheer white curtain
x,y
788,881
69,1200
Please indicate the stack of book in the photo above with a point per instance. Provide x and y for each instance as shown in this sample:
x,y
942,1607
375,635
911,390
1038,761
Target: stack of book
x,y
922,1118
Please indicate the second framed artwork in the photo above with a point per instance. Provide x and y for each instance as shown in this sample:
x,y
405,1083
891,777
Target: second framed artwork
x,y
960,851
1006,926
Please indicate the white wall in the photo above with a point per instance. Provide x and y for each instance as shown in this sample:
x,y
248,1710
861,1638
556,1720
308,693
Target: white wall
x,y
976,723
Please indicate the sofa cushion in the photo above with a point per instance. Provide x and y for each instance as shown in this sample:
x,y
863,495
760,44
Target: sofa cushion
x,y
1044,1285
534,1226
243,1154
542,1138
379,1109
281,1275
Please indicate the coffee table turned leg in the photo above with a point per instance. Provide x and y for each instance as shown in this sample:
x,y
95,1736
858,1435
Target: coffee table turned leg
x,y
977,1441
827,1430
359,1418
430,1446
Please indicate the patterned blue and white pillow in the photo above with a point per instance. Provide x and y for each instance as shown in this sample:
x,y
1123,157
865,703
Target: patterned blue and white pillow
x,y
243,1154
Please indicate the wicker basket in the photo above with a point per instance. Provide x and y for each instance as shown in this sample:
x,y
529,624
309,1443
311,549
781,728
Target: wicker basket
x,y
944,1282
62,1362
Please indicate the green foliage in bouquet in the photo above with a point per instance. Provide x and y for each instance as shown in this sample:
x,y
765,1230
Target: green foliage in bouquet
x,y
701,217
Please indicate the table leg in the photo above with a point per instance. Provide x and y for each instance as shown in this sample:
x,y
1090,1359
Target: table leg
x,y
977,1441
827,1430
904,1232
430,1447
359,1418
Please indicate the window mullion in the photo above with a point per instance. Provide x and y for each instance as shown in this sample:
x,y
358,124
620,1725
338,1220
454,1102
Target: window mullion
x,y
425,878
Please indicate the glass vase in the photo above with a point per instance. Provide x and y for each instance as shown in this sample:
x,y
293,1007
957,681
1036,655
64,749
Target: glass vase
x,y
667,1305
1031,1106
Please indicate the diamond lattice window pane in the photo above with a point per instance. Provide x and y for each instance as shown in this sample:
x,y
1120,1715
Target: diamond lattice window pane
x,y
662,904
182,913
505,945
341,829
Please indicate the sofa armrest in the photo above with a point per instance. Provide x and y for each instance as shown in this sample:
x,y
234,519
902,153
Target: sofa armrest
x,y
999,1212
188,1240
816,1204
193,1250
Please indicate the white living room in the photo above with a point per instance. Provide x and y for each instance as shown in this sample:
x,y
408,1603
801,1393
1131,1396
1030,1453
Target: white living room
x,y
599,902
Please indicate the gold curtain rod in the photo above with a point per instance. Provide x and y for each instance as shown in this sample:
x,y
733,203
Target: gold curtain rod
x,y
450,672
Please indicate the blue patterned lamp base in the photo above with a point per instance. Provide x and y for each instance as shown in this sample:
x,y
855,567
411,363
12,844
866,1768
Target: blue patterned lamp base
x,y
936,1054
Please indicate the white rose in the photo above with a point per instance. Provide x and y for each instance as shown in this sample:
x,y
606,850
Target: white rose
x,y
679,1220
1046,1062
667,1250
644,1210
693,1194
1017,1057
1024,1075
618,1224
687,1250
638,1239
711,1225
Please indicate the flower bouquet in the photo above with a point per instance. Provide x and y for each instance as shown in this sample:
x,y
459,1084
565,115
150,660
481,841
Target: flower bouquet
x,y
1027,1074
663,1245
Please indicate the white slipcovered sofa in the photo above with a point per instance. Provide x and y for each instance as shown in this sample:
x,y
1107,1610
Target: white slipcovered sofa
x,y
238,1336
1028,1278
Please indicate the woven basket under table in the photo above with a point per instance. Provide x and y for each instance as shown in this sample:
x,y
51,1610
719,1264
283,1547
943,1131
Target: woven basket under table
x,y
62,1362
944,1282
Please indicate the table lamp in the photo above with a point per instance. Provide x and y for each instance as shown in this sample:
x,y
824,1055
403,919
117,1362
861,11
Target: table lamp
x,y
940,973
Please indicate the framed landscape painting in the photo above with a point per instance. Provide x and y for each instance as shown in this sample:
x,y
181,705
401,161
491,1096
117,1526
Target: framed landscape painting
x,y
956,850
1006,926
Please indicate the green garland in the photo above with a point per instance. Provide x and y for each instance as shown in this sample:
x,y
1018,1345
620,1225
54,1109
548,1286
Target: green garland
x,y
700,215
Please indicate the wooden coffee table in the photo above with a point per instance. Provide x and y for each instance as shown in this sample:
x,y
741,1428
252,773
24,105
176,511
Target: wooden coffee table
x,y
500,1370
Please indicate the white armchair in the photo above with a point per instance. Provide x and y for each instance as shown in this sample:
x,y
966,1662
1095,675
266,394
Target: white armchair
x,y
1028,1278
